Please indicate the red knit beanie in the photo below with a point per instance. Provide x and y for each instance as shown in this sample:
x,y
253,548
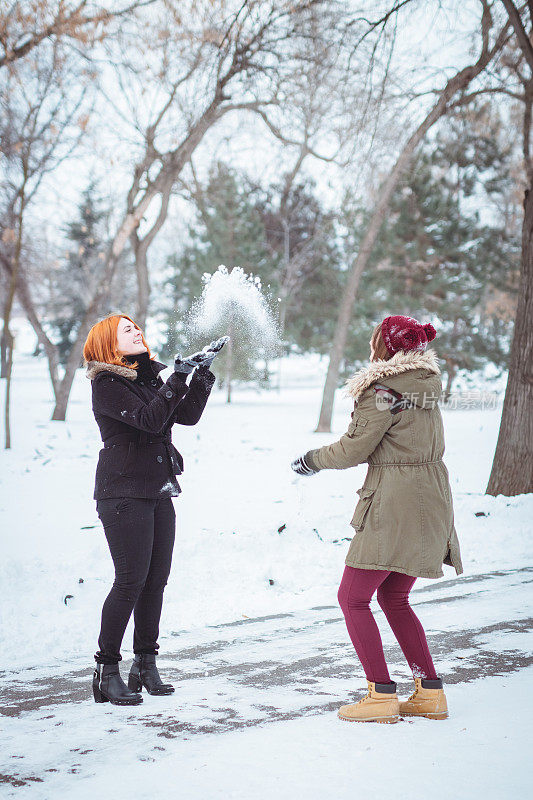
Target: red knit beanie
x,y
406,333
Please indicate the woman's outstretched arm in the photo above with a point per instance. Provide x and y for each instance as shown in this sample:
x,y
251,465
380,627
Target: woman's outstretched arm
x,y
369,424
114,398
192,405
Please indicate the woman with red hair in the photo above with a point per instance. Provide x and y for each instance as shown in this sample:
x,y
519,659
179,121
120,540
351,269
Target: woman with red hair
x,y
135,481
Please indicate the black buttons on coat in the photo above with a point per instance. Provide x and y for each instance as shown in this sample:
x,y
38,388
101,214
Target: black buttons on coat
x,y
168,394
160,459
154,383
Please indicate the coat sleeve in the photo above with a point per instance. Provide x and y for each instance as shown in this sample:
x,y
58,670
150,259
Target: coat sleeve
x,y
191,407
113,397
366,430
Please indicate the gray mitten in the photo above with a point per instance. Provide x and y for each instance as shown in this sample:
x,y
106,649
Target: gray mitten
x,y
211,350
218,344
187,365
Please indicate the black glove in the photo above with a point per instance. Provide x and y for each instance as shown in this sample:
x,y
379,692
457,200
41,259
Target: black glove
x,y
301,466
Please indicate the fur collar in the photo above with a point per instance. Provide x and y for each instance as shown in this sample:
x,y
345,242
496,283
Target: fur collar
x,y
402,361
94,367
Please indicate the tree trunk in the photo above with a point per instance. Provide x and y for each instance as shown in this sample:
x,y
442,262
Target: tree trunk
x,y
60,409
285,279
140,250
73,362
143,285
456,84
451,368
512,468
359,265
23,294
10,345
4,353
229,362
9,338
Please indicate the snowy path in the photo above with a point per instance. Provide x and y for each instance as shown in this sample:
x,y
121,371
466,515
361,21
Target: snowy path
x,y
247,673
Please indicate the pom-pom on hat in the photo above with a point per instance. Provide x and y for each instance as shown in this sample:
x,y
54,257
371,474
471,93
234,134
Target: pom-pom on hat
x,y
406,333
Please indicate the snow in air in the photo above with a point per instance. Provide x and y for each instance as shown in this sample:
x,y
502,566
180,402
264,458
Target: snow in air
x,y
232,302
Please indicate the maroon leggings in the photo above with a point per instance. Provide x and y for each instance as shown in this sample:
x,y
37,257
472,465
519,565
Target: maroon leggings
x,y
355,592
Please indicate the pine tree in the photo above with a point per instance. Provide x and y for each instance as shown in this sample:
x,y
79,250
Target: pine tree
x,y
228,230
307,276
76,275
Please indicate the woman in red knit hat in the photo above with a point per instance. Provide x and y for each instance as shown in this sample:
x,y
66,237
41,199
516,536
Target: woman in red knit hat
x,y
404,519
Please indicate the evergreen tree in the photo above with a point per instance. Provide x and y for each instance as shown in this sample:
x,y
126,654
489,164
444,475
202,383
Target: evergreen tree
x,y
285,238
447,253
308,277
228,230
76,275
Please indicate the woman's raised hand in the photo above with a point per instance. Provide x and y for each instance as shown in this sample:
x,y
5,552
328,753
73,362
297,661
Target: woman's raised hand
x,y
204,358
189,364
217,345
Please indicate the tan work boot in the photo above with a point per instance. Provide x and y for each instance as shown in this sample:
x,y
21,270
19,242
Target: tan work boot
x,y
428,700
379,705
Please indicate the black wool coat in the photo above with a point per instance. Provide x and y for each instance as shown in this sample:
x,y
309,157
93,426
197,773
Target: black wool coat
x,y
135,411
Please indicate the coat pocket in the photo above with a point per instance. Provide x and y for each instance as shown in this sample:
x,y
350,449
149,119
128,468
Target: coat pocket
x,y
357,426
128,464
177,461
361,510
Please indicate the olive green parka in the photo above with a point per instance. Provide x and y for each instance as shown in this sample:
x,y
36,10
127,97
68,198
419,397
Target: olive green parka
x,y
404,519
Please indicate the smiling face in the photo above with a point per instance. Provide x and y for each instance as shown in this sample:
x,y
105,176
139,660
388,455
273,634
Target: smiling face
x,y
129,339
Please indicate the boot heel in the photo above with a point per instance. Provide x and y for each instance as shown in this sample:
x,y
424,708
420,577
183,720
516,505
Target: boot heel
x,y
98,696
134,684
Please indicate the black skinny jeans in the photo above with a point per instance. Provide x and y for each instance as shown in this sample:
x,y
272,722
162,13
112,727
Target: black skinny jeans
x,y
140,534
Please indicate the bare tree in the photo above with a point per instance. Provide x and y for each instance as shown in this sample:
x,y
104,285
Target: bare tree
x,y
235,64
306,89
456,85
512,468
41,125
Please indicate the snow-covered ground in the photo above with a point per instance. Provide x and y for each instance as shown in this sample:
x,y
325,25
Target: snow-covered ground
x,y
253,540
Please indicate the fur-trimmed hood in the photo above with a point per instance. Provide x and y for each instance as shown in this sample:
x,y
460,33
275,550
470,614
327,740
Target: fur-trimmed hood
x,y
400,363
94,367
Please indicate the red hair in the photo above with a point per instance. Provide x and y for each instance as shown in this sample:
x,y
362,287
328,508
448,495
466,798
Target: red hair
x,y
101,342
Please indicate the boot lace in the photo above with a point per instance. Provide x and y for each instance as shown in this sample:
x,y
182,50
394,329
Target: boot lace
x,y
362,700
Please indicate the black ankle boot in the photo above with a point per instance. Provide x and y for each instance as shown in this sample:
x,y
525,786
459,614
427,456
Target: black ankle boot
x,y
108,686
144,672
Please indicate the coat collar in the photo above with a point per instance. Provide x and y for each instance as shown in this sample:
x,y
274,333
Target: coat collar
x,y
94,367
402,361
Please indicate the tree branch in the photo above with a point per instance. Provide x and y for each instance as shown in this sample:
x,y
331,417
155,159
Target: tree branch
x,y
65,26
523,38
285,139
